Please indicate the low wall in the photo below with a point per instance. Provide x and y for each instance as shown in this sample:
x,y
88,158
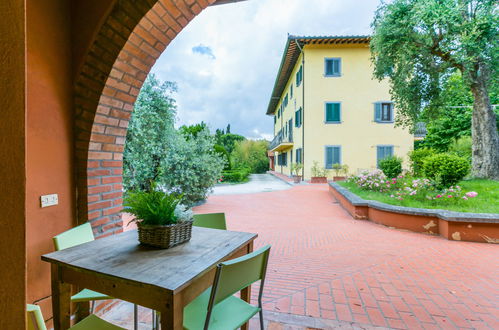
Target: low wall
x,y
458,226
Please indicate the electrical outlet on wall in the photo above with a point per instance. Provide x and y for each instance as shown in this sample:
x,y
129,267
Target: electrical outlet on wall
x,y
49,200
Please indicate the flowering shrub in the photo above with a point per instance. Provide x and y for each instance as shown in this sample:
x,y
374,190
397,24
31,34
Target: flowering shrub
x,y
401,188
375,180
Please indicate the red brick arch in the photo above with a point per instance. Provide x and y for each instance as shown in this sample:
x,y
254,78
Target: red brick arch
x,y
130,40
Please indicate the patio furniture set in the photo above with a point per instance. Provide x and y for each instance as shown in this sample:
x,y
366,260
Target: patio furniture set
x,y
189,286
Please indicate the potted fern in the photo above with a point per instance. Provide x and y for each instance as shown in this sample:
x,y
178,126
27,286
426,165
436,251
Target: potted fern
x,y
295,170
340,172
319,174
161,220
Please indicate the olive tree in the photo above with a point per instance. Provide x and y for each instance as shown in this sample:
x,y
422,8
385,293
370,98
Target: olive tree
x,y
418,44
150,132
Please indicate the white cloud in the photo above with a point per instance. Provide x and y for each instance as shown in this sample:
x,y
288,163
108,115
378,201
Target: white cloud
x,y
225,61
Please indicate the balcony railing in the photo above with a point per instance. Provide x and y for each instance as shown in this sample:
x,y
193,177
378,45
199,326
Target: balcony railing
x,y
279,139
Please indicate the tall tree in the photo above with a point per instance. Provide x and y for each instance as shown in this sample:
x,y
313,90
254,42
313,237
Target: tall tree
x,y
150,131
418,44
453,121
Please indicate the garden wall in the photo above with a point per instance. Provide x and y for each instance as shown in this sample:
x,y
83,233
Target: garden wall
x,y
458,226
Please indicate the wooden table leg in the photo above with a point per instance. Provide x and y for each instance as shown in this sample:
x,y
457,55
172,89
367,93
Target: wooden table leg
x,y
82,310
246,293
172,316
61,300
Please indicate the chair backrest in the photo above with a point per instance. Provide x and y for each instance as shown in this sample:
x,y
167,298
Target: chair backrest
x,y
35,318
210,220
237,274
75,236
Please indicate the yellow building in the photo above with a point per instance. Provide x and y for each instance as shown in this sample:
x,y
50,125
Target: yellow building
x,y
328,108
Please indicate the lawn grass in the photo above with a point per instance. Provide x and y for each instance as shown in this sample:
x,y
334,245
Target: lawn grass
x,y
487,200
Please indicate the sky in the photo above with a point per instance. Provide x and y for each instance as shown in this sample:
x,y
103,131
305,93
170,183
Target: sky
x,y
225,61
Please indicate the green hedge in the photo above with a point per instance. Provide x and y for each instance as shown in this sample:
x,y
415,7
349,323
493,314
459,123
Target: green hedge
x,y
417,158
391,166
445,169
236,175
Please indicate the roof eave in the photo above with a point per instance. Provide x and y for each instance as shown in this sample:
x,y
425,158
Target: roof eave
x,y
348,39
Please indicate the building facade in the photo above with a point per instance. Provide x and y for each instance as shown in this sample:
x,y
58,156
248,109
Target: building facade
x,y
328,108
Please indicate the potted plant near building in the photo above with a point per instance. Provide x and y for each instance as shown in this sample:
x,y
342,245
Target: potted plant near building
x,y
340,172
319,173
161,220
295,170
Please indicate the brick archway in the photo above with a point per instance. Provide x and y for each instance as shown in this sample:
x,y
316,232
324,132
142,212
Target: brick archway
x,y
129,42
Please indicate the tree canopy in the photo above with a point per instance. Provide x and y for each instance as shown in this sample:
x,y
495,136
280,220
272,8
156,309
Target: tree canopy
x,y
453,120
181,160
418,45
149,132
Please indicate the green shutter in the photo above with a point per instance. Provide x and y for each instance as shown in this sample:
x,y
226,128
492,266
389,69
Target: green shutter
x,y
336,112
329,112
336,67
336,155
329,67
379,154
332,112
377,111
329,157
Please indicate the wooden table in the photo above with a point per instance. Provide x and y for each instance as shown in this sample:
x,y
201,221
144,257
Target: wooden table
x,y
163,280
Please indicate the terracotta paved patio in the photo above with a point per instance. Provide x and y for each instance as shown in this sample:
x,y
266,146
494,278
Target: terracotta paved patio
x,y
326,265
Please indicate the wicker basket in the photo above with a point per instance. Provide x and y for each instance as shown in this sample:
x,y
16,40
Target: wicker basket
x,y
165,236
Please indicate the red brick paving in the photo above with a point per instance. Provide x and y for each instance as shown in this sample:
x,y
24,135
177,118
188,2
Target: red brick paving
x,y
325,264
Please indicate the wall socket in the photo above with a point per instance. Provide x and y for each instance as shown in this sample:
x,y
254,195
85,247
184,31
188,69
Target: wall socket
x,y
49,200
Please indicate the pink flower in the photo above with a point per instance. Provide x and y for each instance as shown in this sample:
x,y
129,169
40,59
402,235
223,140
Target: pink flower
x,y
465,198
439,196
471,194
450,196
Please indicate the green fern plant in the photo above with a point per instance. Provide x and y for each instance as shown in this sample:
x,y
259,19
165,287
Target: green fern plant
x,y
152,207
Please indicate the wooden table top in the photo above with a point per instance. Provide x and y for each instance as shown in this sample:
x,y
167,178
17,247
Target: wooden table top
x,y
122,256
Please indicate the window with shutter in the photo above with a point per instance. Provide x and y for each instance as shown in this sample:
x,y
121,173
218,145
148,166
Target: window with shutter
x,y
298,155
382,152
299,76
332,67
332,156
291,91
383,112
333,112
298,118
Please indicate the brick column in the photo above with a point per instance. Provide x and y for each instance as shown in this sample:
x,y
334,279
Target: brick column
x,y
129,43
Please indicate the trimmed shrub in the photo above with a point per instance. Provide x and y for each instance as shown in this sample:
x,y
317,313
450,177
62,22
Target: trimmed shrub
x,y
417,157
391,166
446,169
236,175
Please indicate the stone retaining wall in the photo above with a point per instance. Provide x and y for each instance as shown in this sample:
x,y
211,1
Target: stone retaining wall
x,y
459,226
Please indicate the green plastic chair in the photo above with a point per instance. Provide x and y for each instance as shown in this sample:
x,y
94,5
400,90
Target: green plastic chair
x,y
72,237
76,236
210,220
217,308
91,322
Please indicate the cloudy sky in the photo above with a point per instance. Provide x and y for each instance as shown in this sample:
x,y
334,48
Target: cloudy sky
x,y
225,61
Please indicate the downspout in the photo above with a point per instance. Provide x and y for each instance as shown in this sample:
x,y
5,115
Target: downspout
x,y
302,111
282,128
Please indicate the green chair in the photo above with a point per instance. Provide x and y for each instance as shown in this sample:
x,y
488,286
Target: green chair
x,y
210,220
91,322
217,307
76,236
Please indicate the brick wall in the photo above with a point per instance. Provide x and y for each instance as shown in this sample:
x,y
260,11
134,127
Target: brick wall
x,y
128,43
